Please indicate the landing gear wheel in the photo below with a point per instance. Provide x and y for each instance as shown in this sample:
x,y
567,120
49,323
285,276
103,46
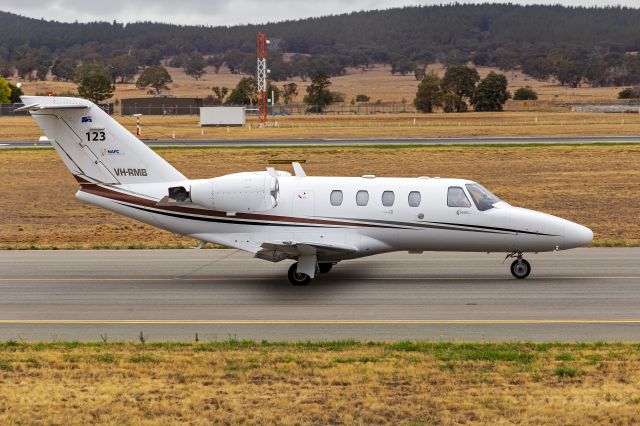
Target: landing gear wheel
x,y
520,269
324,267
298,278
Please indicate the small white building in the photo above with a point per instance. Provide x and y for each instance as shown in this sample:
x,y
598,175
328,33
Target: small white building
x,y
222,116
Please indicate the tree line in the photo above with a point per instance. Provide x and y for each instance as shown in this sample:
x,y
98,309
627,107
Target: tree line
x,y
459,87
574,45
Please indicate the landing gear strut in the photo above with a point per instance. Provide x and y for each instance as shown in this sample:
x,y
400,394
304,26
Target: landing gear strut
x,y
298,278
520,268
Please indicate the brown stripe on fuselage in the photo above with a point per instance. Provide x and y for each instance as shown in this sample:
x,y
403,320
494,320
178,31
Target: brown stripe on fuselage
x,y
101,191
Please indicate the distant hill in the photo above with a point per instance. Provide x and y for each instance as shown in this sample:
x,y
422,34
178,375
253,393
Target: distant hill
x,y
503,35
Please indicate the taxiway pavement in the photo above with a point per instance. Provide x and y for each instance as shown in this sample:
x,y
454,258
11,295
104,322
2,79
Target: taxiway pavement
x,y
579,295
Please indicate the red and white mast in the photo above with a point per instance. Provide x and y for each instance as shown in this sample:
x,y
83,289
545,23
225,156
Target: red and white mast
x,y
261,44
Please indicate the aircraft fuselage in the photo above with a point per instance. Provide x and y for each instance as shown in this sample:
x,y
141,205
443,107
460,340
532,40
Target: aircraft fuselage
x,y
304,212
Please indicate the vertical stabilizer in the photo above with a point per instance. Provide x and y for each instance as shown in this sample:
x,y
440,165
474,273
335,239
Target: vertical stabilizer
x,y
94,146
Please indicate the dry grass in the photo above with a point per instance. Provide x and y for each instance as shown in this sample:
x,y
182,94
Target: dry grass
x,y
376,82
596,185
236,382
471,124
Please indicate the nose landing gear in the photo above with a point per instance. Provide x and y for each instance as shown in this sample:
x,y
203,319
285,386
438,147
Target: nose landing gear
x,y
520,268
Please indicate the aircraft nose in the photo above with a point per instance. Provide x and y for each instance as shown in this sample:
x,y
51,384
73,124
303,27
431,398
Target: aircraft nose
x,y
577,235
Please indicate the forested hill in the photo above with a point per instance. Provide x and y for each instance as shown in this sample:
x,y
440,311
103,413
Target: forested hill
x,y
504,35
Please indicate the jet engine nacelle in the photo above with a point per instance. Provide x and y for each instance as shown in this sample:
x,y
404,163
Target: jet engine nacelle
x,y
238,192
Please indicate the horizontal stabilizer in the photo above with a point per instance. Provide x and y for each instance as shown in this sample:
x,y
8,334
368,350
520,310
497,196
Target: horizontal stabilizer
x,y
39,107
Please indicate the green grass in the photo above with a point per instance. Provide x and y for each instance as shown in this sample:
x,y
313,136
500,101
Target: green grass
x,y
106,357
32,361
445,350
565,356
71,358
566,371
239,381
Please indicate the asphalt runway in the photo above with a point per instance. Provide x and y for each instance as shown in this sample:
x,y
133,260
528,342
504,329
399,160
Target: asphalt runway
x,y
578,140
577,295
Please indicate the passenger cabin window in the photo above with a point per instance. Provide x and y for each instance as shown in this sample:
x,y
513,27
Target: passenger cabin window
x,y
457,198
336,198
362,198
414,199
481,196
388,197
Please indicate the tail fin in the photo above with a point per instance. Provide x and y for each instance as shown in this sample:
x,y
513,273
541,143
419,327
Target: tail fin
x,y
94,146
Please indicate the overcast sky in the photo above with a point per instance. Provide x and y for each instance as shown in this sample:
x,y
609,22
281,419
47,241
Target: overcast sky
x,y
227,12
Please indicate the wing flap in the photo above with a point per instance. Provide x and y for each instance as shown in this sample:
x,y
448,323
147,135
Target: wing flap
x,y
275,251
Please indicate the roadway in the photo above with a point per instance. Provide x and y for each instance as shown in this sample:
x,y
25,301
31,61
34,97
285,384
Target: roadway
x,y
585,294
579,140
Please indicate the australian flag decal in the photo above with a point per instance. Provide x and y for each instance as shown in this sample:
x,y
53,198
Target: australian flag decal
x,y
86,119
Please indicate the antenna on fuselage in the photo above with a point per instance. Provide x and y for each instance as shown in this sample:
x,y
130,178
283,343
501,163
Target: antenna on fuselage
x,y
298,171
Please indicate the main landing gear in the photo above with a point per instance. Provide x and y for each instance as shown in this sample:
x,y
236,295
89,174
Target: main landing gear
x,y
520,268
300,278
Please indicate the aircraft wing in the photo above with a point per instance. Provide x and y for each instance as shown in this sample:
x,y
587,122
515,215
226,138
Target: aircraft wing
x,y
276,251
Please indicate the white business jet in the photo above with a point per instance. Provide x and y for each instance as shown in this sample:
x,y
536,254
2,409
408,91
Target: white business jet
x,y
315,221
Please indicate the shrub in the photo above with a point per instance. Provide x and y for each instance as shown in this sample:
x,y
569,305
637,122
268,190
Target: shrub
x,y
629,93
525,94
566,371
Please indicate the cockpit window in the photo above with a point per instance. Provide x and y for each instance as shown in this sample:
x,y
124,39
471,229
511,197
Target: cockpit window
x,y
457,198
482,197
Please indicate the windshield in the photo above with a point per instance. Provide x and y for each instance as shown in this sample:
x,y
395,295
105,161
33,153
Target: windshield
x,y
482,197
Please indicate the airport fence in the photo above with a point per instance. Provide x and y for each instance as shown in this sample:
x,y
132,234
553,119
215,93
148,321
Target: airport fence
x,y
608,108
7,109
180,108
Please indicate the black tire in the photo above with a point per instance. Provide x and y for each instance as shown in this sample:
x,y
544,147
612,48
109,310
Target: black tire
x,y
296,278
520,269
324,267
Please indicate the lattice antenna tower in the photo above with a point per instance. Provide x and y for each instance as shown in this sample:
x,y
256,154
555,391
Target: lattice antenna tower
x,y
261,45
